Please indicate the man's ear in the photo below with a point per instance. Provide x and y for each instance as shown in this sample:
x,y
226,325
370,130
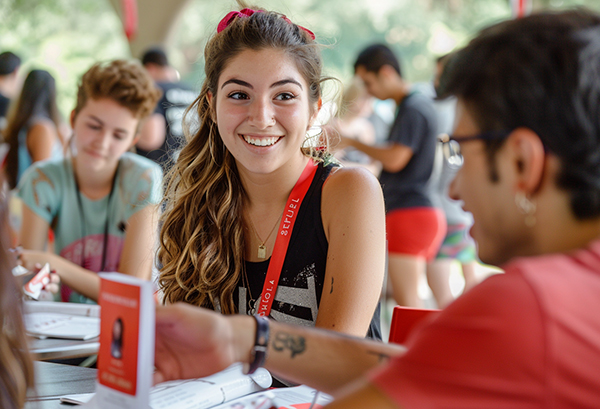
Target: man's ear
x,y
528,158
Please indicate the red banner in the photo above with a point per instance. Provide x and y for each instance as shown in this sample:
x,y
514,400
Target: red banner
x,y
521,8
130,18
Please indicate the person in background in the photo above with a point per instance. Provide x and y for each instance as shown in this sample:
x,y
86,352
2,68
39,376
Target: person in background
x,y
257,220
16,365
415,228
34,126
102,201
352,120
529,338
161,136
9,83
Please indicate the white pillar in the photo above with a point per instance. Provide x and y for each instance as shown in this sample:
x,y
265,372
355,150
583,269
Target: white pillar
x,y
155,21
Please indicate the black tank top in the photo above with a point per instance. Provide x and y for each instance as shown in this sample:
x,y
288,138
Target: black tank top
x,y
302,277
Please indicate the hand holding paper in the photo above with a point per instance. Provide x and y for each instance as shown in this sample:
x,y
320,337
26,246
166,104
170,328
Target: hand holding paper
x,y
40,284
83,281
33,261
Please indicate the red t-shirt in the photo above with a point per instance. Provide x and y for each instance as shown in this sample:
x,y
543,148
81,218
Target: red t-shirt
x,y
529,338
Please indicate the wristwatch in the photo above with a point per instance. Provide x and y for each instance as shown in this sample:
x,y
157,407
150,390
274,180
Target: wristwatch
x,y
261,342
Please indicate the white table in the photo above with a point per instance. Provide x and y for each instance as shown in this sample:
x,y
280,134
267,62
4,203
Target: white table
x,y
52,349
55,380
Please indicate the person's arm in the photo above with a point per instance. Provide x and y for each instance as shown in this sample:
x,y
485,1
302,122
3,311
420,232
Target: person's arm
x,y
78,278
137,257
393,157
41,138
321,359
34,230
409,129
354,221
195,342
153,132
364,131
33,237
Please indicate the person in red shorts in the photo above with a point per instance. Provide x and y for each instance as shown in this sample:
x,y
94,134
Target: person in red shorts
x,y
415,228
528,137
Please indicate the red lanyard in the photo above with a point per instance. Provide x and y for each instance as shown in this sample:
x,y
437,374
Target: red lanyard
x,y
282,242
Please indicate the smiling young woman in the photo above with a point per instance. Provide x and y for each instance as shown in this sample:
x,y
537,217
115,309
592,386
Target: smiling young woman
x,y
256,221
528,338
263,111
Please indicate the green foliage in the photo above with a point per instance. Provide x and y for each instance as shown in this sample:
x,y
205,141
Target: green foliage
x,y
67,36
419,31
64,37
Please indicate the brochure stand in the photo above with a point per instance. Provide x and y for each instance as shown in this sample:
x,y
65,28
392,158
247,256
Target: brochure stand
x,y
126,356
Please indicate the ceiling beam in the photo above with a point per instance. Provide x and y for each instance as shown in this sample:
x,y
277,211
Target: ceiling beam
x,y
156,19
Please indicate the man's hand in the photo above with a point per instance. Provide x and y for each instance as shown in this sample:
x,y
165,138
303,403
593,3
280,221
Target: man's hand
x,y
344,142
193,342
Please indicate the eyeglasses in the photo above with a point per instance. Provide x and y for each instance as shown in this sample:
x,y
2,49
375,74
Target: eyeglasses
x,y
451,145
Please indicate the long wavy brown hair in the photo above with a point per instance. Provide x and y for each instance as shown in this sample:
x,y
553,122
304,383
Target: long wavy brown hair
x,y
202,234
16,366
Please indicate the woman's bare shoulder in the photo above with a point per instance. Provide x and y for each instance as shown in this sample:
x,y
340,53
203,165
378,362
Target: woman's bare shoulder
x,y
348,189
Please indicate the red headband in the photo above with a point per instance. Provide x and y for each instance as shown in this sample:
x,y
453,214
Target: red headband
x,y
247,13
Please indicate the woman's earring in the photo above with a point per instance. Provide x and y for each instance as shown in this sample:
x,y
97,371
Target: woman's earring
x,y
527,207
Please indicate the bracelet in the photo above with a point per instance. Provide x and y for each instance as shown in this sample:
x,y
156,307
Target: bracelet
x,y
261,341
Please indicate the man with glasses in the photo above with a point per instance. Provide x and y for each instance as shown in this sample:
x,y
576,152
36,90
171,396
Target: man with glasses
x,y
528,138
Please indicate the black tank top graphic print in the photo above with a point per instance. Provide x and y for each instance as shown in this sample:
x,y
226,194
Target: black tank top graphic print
x,y
302,277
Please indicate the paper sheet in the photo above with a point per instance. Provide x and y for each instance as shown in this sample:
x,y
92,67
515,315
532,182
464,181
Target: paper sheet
x,y
55,325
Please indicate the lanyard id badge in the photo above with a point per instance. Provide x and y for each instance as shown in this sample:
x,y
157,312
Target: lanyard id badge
x,y
284,234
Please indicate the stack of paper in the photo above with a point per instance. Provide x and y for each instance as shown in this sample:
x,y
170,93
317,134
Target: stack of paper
x,y
54,325
229,389
62,320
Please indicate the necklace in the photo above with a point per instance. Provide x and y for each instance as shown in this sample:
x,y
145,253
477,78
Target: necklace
x,y
262,254
262,249
251,301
